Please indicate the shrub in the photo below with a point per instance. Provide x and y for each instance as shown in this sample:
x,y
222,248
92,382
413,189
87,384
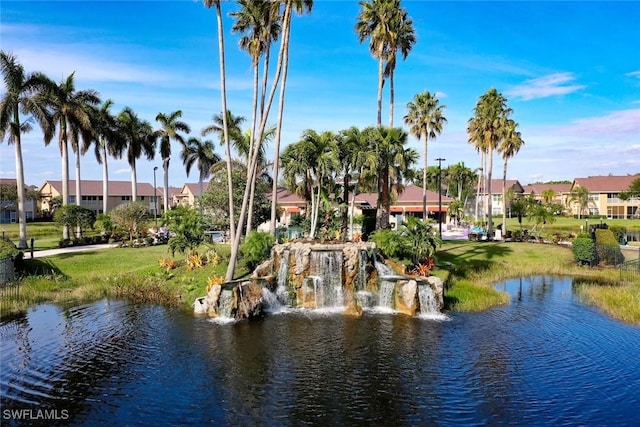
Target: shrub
x,y
256,248
607,247
584,249
389,242
194,260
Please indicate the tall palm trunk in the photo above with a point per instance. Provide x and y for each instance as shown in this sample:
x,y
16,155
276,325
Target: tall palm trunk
x,y
225,130
78,188
380,85
489,193
134,182
424,179
165,193
344,229
504,199
276,157
22,215
391,99
478,193
65,173
105,178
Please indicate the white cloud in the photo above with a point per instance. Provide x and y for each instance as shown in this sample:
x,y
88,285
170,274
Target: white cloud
x,y
543,87
633,74
624,124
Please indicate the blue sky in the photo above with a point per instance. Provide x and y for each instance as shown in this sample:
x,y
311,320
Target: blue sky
x,y
570,71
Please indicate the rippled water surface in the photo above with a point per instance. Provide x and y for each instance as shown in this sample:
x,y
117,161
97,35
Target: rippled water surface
x,y
544,359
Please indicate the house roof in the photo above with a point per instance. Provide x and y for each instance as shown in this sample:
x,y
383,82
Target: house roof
x,y
94,187
541,188
284,197
496,186
193,188
605,184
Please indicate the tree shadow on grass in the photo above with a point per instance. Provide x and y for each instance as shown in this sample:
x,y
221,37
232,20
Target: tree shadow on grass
x,y
39,267
474,259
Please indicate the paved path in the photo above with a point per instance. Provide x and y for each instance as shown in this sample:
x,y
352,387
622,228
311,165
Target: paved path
x,y
70,249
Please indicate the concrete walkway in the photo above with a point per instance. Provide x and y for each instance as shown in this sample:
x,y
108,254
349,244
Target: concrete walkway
x,y
70,249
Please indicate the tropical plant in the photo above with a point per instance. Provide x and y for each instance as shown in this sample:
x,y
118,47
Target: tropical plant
x,y
199,153
19,95
225,131
580,196
548,195
456,209
393,160
401,39
139,139
300,7
129,218
425,120
71,112
388,29
256,248
420,238
486,130
107,142
75,216
584,249
188,226
171,128
509,147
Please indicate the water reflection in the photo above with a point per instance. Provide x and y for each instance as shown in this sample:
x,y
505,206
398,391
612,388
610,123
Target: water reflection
x,y
542,359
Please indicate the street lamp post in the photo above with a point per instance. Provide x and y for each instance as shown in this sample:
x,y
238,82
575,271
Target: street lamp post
x,y
155,197
440,160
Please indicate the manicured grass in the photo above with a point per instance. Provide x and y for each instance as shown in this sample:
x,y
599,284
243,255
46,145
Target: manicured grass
x,y
133,273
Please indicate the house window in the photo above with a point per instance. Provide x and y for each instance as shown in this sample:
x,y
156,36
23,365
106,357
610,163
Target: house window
x,y
125,198
72,200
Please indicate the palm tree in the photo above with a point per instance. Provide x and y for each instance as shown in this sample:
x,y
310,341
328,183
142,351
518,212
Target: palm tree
x,y
139,139
300,7
548,195
401,39
223,92
19,95
107,142
486,130
71,112
580,195
510,145
199,153
393,160
426,121
310,162
374,22
170,128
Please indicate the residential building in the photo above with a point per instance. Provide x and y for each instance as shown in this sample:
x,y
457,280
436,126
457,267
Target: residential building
x,y
92,196
561,191
8,208
496,196
604,196
189,193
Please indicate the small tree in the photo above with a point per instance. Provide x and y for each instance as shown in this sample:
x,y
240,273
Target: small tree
x,y
584,249
75,216
256,248
419,237
188,226
129,218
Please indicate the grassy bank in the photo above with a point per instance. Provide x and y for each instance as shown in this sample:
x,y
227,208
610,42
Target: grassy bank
x,y
133,273
469,269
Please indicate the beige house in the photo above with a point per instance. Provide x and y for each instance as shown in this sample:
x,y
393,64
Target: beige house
x,y
561,191
8,208
496,195
604,192
92,196
188,194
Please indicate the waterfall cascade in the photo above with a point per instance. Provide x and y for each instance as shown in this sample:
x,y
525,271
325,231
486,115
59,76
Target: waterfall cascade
x,y
344,276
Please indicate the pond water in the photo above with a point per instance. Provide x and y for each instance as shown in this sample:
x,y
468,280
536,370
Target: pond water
x,y
545,358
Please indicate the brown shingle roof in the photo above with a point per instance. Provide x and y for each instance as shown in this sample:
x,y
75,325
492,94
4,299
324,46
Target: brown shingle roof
x,y
94,187
605,184
540,188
